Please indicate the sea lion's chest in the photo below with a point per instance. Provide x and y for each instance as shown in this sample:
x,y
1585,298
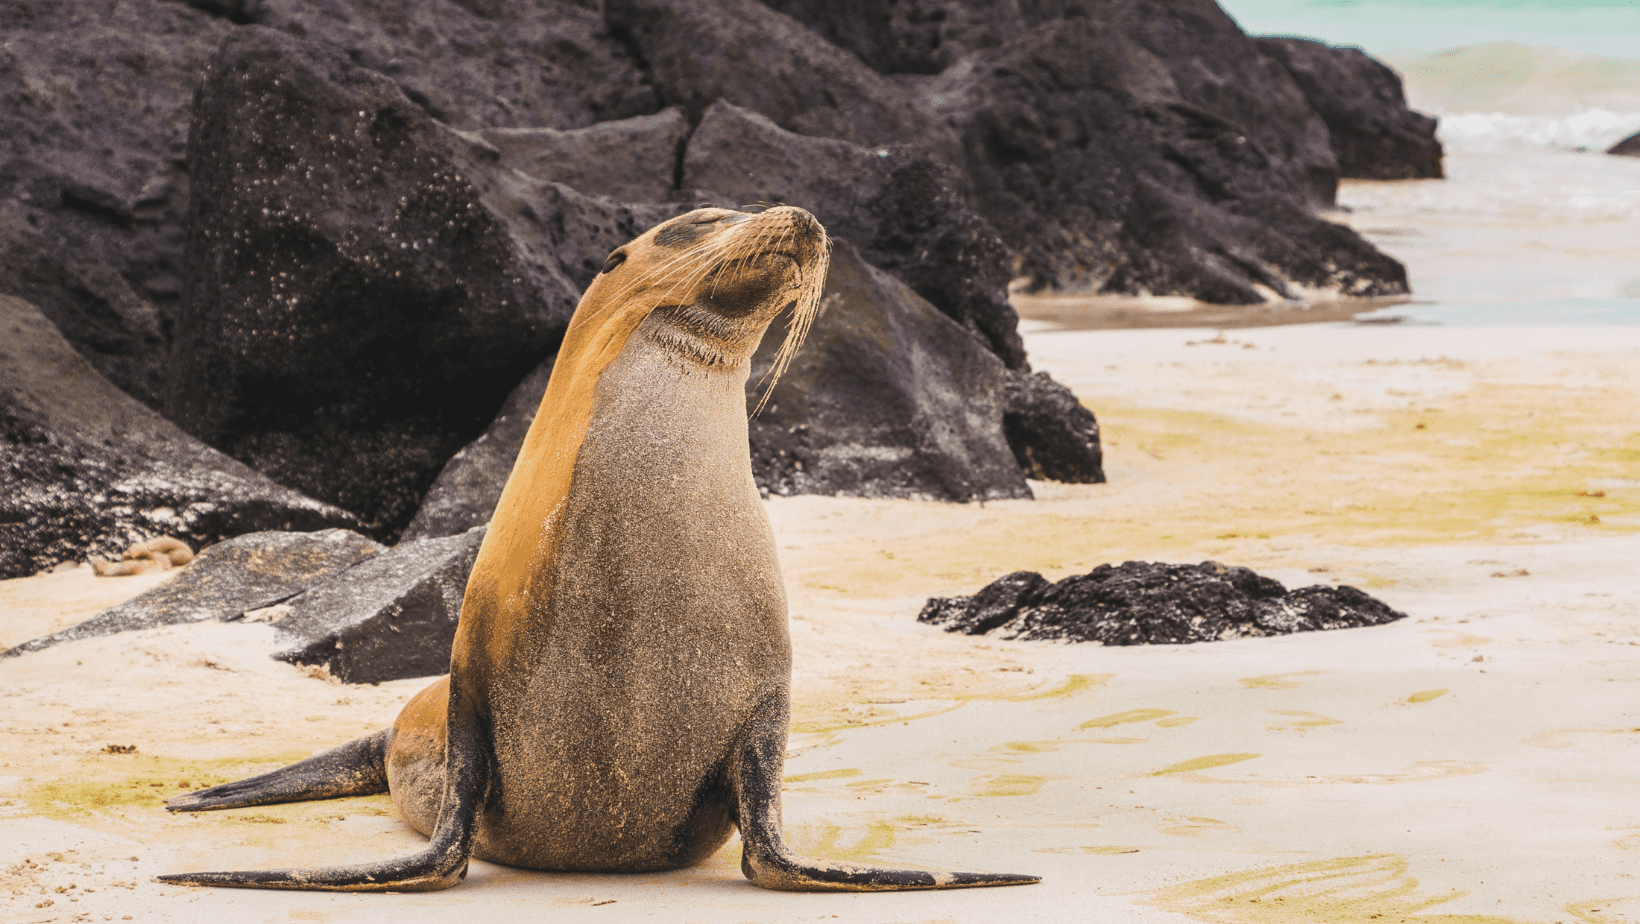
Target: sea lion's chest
x,y
665,624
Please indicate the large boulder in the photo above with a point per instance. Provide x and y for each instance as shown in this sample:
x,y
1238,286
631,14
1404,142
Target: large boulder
x,y
1053,436
887,398
902,208
93,188
227,580
87,470
1371,129
1129,151
1151,603
392,616
95,97
700,51
479,63
365,284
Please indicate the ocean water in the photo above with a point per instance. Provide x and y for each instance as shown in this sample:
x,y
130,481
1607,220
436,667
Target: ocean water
x,y
1534,223
1519,233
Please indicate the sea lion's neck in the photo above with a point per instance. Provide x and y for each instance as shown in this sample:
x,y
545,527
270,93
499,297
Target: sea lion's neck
x,y
697,335
675,378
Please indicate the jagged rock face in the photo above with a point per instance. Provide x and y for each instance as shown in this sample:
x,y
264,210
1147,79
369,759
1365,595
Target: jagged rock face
x,y
392,616
700,51
1373,133
1122,147
887,398
903,209
365,285
1628,147
87,470
1126,177
1150,603
1053,437
94,97
225,581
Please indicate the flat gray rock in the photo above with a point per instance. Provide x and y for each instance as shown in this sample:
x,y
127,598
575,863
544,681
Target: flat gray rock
x,y
391,617
226,580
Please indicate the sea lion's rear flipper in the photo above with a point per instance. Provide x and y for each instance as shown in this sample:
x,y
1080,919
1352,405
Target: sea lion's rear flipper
x,y
358,768
442,864
755,775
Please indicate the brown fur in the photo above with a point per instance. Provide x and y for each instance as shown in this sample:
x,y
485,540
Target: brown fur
x,y
160,554
650,465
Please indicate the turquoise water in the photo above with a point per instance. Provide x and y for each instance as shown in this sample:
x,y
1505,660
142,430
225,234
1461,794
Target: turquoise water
x,y
1387,27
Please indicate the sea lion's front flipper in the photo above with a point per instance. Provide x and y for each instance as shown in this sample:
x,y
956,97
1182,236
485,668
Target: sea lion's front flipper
x,y
443,864
756,774
358,768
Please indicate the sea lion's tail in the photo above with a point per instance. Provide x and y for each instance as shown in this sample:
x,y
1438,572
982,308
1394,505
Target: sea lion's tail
x,y
358,768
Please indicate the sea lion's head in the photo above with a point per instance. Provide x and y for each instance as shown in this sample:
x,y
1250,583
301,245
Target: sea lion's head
x,y
718,277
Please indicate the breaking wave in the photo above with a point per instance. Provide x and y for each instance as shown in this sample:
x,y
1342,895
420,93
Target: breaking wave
x,y
1487,132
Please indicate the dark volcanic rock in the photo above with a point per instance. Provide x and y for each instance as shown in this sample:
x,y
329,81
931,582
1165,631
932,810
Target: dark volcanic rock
x,y
1149,603
1373,133
1628,147
227,580
94,98
903,209
700,51
632,160
887,398
87,300
922,36
1134,152
87,470
480,63
390,617
365,285
465,494
1053,437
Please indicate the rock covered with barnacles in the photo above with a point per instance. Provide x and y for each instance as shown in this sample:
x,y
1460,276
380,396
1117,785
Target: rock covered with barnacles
x,y
1151,603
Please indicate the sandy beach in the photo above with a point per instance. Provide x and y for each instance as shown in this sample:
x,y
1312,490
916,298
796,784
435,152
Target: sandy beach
x,y
1472,762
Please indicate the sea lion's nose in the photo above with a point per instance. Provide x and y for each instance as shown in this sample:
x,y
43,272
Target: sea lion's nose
x,y
806,226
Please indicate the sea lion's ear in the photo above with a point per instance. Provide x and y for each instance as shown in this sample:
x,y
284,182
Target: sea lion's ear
x,y
615,259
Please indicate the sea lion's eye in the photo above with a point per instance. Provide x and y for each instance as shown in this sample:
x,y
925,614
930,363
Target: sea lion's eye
x,y
615,259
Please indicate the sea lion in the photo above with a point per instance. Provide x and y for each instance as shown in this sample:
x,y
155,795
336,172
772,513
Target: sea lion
x,y
160,554
618,692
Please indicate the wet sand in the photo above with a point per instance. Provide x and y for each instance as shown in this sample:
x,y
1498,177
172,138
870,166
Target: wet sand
x,y
1474,762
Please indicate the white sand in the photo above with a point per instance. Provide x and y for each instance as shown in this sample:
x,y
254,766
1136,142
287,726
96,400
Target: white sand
x,y
1477,761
